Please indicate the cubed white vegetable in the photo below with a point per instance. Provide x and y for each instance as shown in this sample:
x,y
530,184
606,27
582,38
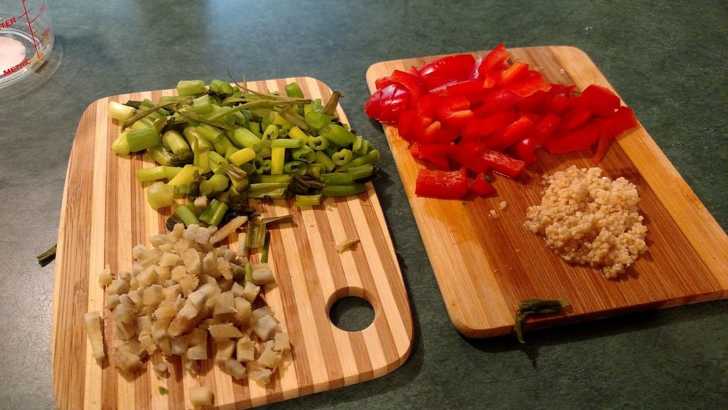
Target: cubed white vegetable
x,y
201,396
95,336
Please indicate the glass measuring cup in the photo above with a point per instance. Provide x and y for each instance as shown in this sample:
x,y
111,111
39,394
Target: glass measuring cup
x,y
27,56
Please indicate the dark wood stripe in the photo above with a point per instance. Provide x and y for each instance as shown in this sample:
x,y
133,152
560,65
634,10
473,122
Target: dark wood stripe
x,y
295,331
109,375
394,277
367,280
175,388
359,348
317,300
70,341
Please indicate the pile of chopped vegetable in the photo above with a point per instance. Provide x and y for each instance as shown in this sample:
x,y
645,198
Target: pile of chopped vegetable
x,y
182,289
224,143
465,118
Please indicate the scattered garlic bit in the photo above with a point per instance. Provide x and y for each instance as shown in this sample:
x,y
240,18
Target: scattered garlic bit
x,y
201,396
347,245
502,205
95,337
493,214
105,277
184,293
200,202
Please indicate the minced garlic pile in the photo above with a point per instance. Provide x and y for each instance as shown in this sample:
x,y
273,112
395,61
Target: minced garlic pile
x,y
590,219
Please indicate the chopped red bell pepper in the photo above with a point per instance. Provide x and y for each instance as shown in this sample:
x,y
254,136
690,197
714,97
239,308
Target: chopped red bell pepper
x,y
503,164
545,128
536,102
480,127
575,118
469,155
407,123
454,111
442,184
513,133
602,148
471,89
382,82
409,81
616,124
600,100
497,100
494,60
444,70
513,73
528,84
386,104
575,140
480,187
427,104
525,150
432,154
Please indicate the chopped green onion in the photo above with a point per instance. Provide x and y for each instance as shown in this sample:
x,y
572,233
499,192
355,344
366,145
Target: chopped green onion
x,y
305,153
360,145
325,161
48,256
206,215
271,132
318,143
277,193
263,166
254,127
277,158
218,214
242,156
160,195
316,119
342,157
151,174
202,105
266,247
371,157
338,135
142,139
244,138
192,134
337,178
186,215
173,141
267,186
216,183
361,172
343,190
186,176
294,90
298,134
295,167
191,87
120,146
332,103
221,87
308,200
280,179
286,143
120,112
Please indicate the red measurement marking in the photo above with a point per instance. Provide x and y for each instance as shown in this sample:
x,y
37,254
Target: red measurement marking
x,y
8,22
30,27
14,69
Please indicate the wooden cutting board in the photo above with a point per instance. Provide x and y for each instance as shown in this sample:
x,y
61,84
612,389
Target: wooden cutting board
x,y
104,214
484,266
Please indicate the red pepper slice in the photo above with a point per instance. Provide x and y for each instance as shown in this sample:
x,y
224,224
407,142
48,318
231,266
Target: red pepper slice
x,y
513,73
386,104
536,102
409,81
576,140
442,184
602,148
468,155
432,154
454,111
481,127
616,124
503,164
444,70
382,82
530,83
427,104
480,187
515,132
497,100
494,60
525,150
575,118
600,100
406,126
471,89
545,128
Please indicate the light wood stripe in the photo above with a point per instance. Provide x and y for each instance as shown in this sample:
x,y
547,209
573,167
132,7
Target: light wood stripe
x,y
105,214
485,266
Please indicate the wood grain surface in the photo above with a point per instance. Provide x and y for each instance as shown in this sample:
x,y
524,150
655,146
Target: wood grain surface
x,y
484,266
104,214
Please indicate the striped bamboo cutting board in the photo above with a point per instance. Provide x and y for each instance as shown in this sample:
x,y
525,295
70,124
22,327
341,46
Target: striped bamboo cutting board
x,y
485,266
104,213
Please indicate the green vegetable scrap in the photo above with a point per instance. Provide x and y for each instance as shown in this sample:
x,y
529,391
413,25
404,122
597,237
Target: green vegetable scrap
x,y
536,307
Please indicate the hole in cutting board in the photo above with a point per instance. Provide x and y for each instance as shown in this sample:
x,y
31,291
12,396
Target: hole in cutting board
x,y
349,310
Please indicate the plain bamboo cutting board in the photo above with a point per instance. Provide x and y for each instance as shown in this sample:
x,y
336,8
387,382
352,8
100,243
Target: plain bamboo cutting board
x,y
104,214
484,266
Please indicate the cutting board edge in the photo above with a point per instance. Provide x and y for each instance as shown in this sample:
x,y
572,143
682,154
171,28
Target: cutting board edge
x,y
472,329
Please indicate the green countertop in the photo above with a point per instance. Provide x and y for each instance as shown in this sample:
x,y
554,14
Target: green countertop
x,y
668,60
